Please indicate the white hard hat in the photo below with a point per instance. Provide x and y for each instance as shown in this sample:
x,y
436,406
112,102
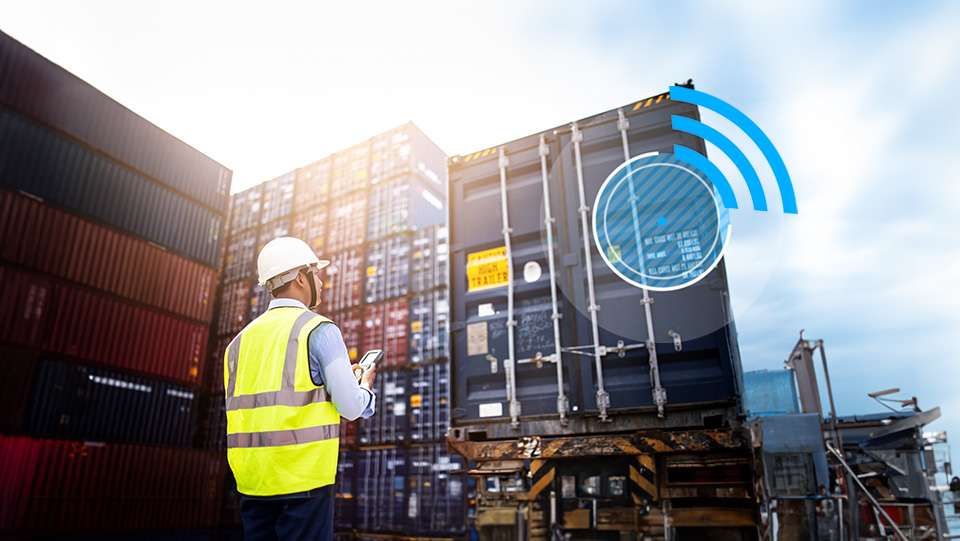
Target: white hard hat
x,y
281,259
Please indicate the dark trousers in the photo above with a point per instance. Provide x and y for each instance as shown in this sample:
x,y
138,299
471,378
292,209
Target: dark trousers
x,y
289,518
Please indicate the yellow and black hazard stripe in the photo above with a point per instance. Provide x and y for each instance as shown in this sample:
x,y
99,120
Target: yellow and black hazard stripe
x,y
651,101
480,154
542,473
643,479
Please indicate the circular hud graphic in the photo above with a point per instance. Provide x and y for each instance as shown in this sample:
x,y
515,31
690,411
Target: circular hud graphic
x,y
659,223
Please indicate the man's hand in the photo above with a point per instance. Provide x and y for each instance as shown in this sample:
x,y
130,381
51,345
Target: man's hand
x,y
368,376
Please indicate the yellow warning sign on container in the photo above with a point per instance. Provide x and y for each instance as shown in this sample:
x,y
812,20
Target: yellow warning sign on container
x,y
487,269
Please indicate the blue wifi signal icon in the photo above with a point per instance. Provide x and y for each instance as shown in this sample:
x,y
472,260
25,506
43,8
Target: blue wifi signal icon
x,y
684,124
662,221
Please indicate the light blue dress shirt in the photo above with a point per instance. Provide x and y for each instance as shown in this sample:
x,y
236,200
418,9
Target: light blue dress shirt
x,y
330,367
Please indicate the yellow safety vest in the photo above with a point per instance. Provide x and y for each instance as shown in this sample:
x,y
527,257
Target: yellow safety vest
x,y
282,430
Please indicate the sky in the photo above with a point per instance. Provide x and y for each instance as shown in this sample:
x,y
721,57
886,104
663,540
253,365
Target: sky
x,y
854,95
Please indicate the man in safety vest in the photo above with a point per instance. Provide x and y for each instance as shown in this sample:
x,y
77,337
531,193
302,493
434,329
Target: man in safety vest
x,y
288,381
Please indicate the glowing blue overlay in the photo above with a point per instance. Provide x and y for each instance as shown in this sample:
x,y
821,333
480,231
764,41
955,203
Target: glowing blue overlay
x,y
660,223
679,93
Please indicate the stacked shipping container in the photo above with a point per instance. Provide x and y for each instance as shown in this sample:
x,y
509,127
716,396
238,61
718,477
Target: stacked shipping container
x,y
377,212
110,239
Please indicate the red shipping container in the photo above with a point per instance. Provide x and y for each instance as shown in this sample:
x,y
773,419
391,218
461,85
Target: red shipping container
x,y
17,369
343,281
24,307
385,327
52,241
72,488
63,319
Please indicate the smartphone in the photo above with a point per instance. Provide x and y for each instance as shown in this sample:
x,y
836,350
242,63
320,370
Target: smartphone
x,y
370,358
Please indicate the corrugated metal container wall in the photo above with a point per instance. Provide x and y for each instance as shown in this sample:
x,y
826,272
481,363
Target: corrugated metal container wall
x,y
64,320
429,259
343,285
385,327
213,421
437,497
60,172
351,327
17,369
24,307
387,270
278,198
232,314
381,484
260,299
310,226
313,185
350,170
345,502
57,488
430,402
348,222
348,433
273,230
705,372
84,402
245,209
429,318
405,150
47,93
403,205
240,262
45,239
390,423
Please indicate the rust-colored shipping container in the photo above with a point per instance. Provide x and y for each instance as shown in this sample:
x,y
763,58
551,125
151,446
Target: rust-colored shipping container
x,y
46,239
50,487
385,327
343,281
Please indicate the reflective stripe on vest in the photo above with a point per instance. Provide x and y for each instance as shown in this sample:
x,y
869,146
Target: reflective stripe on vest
x,y
279,441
